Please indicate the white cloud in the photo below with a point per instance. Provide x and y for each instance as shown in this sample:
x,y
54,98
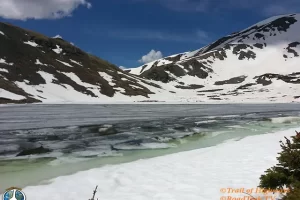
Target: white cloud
x,y
151,56
39,9
265,7
122,67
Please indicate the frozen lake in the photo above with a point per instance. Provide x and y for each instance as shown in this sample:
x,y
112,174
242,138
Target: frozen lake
x,y
82,137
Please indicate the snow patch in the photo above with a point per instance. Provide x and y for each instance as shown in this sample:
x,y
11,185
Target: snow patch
x,y
55,93
10,95
73,61
75,78
67,64
2,33
134,86
58,50
33,44
3,70
119,89
3,61
108,78
164,62
38,62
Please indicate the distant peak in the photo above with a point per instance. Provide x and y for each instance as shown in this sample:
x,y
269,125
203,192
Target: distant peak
x,y
57,37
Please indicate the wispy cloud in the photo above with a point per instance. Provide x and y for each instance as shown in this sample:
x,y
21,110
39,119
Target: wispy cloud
x,y
198,36
186,5
263,7
281,7
179,5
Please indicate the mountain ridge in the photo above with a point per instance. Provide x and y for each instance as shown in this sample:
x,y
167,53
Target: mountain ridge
x,y
257,64
252,47
41,68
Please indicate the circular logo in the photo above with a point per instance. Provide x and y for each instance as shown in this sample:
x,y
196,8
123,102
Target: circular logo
x,y
14,194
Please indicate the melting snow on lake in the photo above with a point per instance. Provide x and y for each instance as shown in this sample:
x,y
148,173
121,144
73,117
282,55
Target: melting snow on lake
x,y
192,175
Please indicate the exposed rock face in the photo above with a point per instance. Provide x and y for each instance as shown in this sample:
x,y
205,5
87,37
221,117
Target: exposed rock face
x,y
192,86
34,151
234,80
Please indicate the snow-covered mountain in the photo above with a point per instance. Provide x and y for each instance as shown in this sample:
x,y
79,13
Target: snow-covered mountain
x,y
36,68
257,64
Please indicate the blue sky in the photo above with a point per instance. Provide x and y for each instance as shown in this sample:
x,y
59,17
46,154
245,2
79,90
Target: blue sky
x,y
122,31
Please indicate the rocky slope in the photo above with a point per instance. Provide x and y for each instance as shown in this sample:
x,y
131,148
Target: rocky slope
x,y
260,63
36,68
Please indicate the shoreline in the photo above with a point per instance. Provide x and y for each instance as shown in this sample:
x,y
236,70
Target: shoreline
x,y
151,103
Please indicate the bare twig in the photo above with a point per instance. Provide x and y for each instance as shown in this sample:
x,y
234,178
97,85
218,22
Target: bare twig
x,y
94,193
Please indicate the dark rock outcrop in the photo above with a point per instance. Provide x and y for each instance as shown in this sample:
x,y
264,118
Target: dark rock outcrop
x,y
34,151
191,87
215,90
234,80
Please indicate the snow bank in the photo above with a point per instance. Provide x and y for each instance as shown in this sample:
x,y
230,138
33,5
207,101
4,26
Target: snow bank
x,y
193,175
